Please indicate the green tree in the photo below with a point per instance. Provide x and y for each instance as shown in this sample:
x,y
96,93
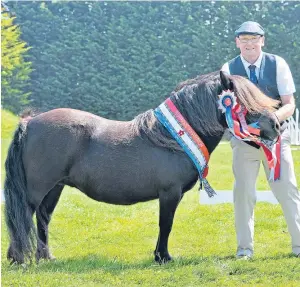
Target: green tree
x,y
15,70
117,59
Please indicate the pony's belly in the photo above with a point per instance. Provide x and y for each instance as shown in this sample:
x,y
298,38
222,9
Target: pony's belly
x,y
129,174
120,196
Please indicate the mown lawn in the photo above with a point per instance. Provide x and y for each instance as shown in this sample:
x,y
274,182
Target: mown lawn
x,y
97,244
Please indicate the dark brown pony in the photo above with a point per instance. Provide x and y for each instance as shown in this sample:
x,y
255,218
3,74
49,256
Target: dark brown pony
x,y
112,161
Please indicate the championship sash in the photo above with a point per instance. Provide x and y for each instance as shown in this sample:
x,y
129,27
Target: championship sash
x,y
186,137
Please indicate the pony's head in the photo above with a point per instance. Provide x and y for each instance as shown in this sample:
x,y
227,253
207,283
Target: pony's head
x,y
198,101
259,106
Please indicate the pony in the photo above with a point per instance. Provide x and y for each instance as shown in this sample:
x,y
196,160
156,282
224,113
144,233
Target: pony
x,y
117,162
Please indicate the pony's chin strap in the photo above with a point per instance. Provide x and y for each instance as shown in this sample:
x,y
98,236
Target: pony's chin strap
x,y
235,118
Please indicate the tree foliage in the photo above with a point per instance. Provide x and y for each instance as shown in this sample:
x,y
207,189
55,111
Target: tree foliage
x,y
117,59
15,70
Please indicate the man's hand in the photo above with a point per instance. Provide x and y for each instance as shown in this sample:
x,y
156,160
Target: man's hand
x,y
287,109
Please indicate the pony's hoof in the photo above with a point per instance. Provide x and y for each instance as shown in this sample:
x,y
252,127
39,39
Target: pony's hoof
x,y
162,259
51,257
46,258
13,262
44,254
13,258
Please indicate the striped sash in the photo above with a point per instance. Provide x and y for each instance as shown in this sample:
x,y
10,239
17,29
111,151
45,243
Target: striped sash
x,y
186,137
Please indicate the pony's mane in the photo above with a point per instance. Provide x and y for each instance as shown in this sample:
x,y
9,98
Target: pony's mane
x,y
196,99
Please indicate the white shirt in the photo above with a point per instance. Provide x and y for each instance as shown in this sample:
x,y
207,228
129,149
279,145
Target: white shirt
x,y
284,78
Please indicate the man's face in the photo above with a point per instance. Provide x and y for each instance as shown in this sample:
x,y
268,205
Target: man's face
x,y
250,45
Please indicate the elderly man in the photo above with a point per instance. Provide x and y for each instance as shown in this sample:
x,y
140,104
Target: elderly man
x,y
273,76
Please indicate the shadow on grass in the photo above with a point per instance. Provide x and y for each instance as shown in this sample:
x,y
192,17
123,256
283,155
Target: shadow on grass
x,y
112,265
94,262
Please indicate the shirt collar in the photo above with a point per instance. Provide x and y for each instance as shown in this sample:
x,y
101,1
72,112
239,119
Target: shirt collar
x,y
257,62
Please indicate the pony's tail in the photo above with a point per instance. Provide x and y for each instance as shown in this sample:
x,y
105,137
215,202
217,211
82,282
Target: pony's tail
x,y
18,212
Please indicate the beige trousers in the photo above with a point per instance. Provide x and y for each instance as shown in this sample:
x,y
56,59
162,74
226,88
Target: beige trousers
x,y
246,163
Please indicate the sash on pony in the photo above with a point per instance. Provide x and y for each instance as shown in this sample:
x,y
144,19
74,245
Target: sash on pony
x,y
235,118
186,137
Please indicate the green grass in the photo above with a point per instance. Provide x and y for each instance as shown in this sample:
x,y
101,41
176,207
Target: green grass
x,y
104,245
8,124
97,244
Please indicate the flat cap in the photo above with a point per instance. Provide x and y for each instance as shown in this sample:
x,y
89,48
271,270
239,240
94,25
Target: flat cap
x,y
251,28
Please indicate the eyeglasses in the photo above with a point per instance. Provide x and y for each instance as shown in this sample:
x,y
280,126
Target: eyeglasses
x,y
251,40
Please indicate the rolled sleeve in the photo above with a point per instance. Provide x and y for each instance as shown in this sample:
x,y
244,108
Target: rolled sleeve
x,y
225,68
285,82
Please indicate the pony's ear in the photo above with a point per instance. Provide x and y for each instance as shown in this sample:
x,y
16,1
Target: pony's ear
x,y
226,81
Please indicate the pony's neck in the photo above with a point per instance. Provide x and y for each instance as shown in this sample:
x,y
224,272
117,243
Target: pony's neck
x,y
198,105
209,125
210,141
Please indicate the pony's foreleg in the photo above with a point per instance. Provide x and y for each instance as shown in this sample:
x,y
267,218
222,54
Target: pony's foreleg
x,y
43,217
168,202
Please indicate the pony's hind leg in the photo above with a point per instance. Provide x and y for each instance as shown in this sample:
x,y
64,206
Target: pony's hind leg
x,y
168,202
43,217
23,241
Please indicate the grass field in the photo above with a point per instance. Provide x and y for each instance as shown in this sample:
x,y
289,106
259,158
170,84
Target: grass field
x,y
98,244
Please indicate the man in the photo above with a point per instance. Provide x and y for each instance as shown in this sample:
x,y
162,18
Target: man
x,y
272,75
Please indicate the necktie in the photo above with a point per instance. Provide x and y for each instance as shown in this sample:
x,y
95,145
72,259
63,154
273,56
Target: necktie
x,y
253,77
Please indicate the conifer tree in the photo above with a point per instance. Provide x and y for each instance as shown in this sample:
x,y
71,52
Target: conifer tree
x,y
15,69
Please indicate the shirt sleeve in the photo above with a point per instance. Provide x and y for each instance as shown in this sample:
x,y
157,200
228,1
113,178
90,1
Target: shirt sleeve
x,y
284,78
225,68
